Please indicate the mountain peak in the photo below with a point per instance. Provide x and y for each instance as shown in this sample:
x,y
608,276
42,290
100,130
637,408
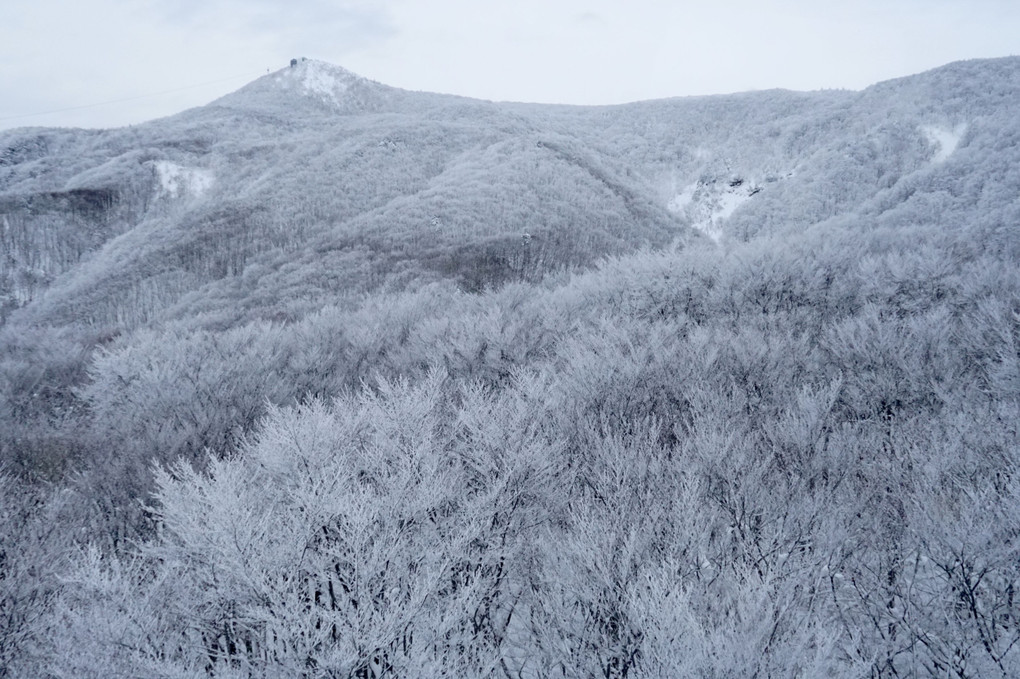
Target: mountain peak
x,y
319,79
320,84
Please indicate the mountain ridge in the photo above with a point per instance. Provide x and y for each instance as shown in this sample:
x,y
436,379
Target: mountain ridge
x,y
678,155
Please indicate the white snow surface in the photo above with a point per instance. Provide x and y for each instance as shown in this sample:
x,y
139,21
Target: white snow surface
x,y
682,199
177,181
945,139
708,204
729,202
319,80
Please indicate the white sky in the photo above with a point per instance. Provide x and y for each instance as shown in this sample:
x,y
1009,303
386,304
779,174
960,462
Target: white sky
x,y
158,57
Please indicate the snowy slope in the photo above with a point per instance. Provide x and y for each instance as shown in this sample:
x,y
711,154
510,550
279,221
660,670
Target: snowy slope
x,y
314,168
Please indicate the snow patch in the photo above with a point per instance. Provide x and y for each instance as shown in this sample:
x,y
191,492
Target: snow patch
x,y
177,181
318,79
946,140
681,200
708,203
728,204
322,83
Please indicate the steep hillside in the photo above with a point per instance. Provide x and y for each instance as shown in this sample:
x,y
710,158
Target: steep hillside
x,y
345,380
311,163
314,164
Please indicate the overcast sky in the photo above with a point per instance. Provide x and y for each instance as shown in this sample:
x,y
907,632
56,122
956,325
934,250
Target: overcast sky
x,y
104,63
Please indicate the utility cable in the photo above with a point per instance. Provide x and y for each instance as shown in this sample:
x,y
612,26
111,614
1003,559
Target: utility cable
x,y
135,98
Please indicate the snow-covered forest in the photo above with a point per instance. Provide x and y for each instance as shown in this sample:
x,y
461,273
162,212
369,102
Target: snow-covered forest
x,y
331,379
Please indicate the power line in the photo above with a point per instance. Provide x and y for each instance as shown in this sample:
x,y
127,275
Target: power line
x,y
134,98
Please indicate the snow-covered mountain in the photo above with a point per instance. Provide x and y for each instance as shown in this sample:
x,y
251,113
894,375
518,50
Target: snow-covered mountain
x,y
329,378
314,166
